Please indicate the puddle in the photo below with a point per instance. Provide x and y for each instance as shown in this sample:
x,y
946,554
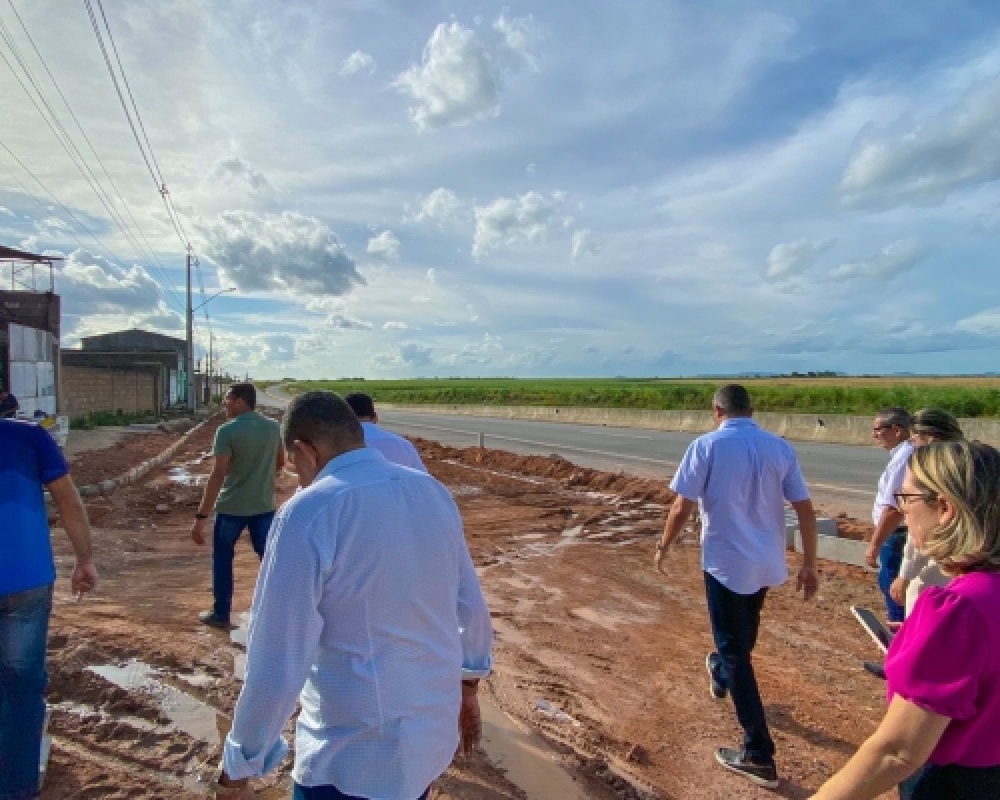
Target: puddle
x,y
238,636
573,532
184,477
185,712
529,536
526,759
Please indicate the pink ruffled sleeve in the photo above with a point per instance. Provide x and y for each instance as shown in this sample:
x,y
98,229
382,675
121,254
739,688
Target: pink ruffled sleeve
x,y
937,660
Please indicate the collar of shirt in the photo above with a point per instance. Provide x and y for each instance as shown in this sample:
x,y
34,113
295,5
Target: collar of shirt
x,y
901,446
739,422
347,459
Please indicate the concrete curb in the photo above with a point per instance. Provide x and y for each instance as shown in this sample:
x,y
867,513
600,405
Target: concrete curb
x,y
831,429
137,473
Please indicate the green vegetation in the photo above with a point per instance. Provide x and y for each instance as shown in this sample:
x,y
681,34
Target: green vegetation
x,y
843,396
102,419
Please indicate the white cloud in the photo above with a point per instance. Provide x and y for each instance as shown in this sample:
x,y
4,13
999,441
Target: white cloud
x,y
278,349
956,148
90,284
985,323
883,265
29,243
519,35
235,170
395,326
358,61
7,211
407,354
585,243
385,245
438,206
793,258
431,276
344,322
510,220
455,83
289,251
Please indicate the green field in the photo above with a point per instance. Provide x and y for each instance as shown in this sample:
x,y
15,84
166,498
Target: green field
x,y
972,397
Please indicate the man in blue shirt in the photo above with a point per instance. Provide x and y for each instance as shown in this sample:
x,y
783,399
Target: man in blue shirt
x,y
368,612
741,476
29,461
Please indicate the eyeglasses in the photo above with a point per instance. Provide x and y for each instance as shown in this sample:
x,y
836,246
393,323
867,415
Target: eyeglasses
x,y
903,498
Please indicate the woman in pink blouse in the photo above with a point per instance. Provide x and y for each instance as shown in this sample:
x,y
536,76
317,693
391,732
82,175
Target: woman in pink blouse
x,y
940,739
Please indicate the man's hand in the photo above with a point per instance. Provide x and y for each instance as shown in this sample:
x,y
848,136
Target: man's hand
x,y
84,577
225,787
470,722
808,582
897,591
661,551
198,532
871,556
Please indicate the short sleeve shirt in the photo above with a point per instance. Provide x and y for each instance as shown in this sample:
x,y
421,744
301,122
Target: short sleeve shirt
x,y
29,460
892,479
946,660
741,477
251,442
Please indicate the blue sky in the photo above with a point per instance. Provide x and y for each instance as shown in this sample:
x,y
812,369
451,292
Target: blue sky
x,y
649,188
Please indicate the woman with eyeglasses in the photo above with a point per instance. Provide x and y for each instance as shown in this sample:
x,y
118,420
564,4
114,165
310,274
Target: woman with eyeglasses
x,y
940,739
918,571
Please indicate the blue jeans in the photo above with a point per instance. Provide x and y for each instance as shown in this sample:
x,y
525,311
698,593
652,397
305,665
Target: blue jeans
x,y
890,559
24,626
735,621
228,528
330,793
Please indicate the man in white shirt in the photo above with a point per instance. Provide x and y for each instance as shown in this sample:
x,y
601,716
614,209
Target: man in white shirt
x,y
741,476
891,429
395,448
368,613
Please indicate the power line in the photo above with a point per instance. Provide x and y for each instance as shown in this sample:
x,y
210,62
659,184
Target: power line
x,y
142,141
90,144
65,140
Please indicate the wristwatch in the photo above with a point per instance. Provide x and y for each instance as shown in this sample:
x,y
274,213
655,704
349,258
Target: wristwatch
x,y
471,683
201,516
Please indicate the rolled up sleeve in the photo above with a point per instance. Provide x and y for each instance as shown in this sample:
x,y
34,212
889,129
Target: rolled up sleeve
x,y
285,629
692,474
474,621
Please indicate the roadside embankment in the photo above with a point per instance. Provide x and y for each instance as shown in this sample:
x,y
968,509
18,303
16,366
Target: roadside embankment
x,y
833,429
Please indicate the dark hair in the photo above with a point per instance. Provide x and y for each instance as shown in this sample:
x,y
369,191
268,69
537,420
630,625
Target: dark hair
x,y
246,392
733,399
937,423
321,417
361,403
895,415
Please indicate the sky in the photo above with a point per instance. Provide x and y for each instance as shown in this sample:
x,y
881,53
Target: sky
x,y
398,189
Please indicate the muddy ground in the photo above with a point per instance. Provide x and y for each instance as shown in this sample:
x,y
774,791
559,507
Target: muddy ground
x,y
600,677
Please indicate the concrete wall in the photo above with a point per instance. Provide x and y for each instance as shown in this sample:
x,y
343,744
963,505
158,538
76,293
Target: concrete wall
x,y
88,389
837,429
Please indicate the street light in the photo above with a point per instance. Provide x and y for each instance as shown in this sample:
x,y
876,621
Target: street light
x,y
192,402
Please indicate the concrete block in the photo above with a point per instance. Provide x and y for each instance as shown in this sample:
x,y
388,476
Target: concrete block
x,y
824,526
106,486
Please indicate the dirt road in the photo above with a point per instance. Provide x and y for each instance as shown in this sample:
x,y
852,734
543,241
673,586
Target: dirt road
x,y
600,688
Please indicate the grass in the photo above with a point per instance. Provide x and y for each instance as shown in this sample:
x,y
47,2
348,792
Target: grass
x,y
975,397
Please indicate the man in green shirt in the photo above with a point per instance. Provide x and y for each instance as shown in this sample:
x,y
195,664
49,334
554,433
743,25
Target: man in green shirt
x,y
248,457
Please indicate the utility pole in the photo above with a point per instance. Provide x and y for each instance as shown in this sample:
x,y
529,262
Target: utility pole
x,y
211,366
191,400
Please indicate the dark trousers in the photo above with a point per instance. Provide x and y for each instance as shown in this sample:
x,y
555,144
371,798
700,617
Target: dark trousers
x,y
24,626
953,782
330,793
735,621
890,559
228,529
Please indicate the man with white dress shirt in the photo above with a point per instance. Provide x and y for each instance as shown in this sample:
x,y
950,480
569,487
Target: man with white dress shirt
x,y
368,613
395,448
741,476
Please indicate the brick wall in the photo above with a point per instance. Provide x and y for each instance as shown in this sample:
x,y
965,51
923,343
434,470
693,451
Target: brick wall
x,y
87,389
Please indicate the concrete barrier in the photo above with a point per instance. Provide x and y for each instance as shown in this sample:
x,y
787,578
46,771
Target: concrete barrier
x,y
834,428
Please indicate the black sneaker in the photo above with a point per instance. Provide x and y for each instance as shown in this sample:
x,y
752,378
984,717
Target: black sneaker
x,y
875,669
211,619
717,690
765,775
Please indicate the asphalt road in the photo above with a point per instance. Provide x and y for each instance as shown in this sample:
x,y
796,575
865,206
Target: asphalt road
x,y
848,473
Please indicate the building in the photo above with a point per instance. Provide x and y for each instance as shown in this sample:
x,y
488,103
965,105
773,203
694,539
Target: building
x,y
129,372
29,330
